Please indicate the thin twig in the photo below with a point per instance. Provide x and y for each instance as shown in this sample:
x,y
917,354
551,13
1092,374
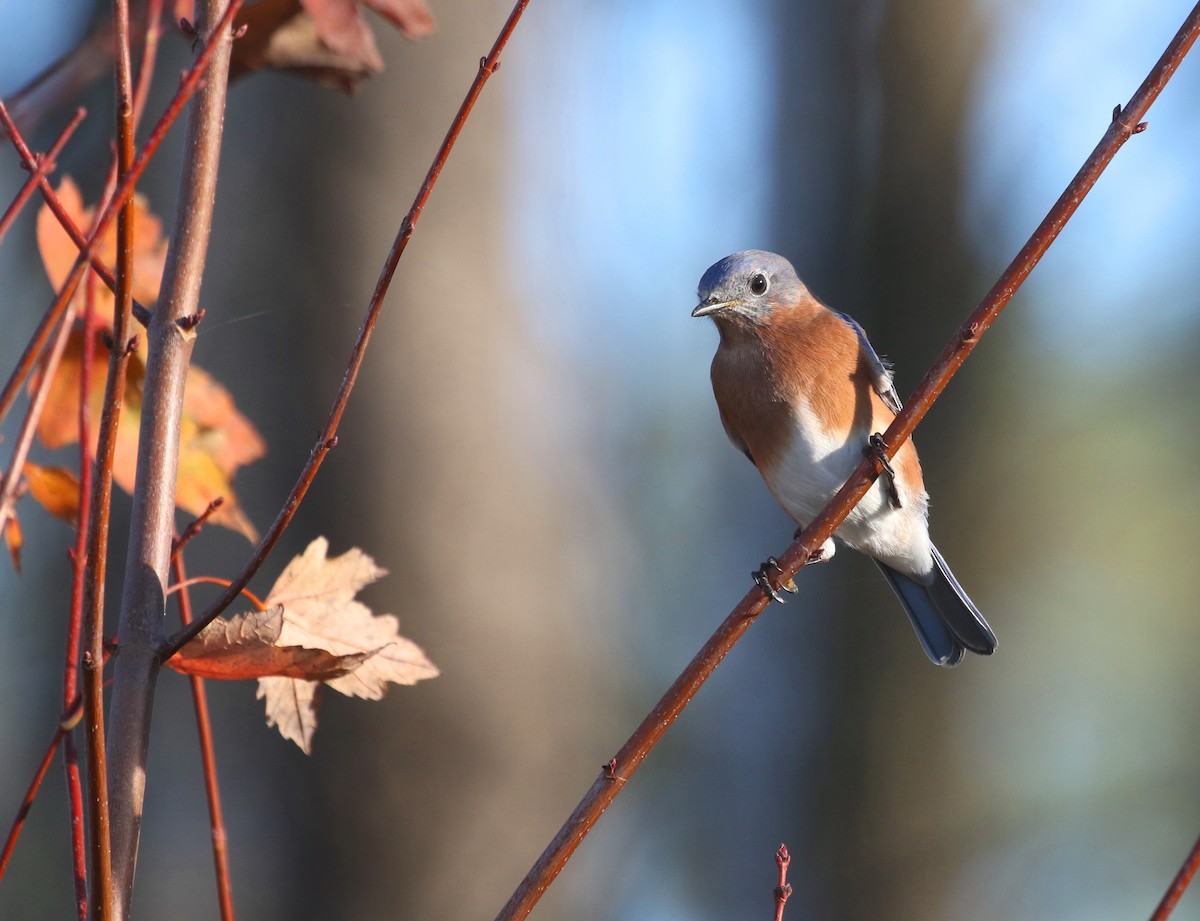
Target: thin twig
x,y
1178,885
613,776
30,161
208,759
69,718
783,891
71,666
187,88
147,565
103,895
194,527
39,167
33,415
153,13
328,437
211,580
78,840
18,824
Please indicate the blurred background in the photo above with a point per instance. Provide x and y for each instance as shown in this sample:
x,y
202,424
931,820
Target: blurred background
x,y
534,454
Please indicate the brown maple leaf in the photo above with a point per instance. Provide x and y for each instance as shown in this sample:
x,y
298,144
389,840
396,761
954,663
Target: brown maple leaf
x,y
313,633
319,611
329,41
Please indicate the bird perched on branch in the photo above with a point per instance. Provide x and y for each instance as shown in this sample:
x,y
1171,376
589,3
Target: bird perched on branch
x,y
802,393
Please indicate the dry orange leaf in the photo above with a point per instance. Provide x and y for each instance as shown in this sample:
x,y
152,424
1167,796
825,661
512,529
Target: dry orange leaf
x,y
59,252
319,612
14,540
245,647
215,439
56,489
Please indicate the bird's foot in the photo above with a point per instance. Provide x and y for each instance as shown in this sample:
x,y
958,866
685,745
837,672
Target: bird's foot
x,y
876,449
823,554
762,579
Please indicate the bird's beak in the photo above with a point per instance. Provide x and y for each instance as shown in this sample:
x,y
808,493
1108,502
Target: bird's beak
x,y
710,306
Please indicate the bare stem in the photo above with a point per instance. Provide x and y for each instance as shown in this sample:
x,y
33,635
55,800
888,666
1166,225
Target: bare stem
x,y
14,831
212,789
328,437
613,776
12,478
783,891
1178,885
143,603
39,166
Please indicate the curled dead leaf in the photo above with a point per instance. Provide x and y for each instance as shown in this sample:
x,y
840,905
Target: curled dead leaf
x,y
244,646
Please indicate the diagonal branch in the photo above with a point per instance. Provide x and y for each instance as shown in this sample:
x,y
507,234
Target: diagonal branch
x,y
1126,122
32,162
1178,885
38,166
328,438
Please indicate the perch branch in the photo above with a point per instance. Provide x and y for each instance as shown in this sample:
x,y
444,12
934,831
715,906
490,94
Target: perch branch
x,y
1178,885
613,777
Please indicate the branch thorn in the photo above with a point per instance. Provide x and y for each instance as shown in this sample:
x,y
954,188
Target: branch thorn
x,y
1116,112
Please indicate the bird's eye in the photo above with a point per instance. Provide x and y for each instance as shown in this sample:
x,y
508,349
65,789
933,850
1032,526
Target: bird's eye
x,y
758,284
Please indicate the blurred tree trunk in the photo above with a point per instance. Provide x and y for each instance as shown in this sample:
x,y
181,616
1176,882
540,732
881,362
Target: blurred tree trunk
x,y
889,120
446,793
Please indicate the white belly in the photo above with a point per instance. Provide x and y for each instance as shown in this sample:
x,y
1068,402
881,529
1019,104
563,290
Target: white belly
x,y
814,467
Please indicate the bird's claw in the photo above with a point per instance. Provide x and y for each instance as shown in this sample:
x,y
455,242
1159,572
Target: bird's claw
x,y
818,555
763,580
876,449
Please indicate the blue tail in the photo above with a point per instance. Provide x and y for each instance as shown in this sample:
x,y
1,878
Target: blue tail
x,y
946,620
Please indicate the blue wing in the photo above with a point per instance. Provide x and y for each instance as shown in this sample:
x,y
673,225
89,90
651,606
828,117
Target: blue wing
x,y
881,374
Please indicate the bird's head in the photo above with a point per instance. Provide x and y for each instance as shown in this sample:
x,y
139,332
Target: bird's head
x,y
748,287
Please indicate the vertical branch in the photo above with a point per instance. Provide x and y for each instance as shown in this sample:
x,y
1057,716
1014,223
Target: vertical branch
x,y
143,602
78,571
212,789
102,898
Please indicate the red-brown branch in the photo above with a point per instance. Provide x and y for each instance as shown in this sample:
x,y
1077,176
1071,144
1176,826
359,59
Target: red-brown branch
x,y
783,891
208,758
328,437
31,161
66,724
613,777
103,897
1178,885
39,166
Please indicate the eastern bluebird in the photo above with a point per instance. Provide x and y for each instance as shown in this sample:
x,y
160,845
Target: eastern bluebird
x,y
802,393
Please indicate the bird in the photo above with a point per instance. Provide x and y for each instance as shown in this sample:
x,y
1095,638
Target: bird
x,y
801,392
